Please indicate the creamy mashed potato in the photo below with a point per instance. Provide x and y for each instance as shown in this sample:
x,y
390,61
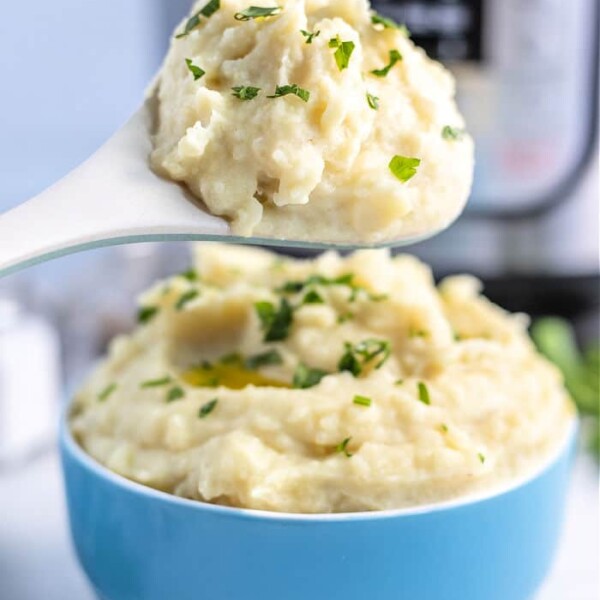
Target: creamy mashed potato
x,y
313,164
339,384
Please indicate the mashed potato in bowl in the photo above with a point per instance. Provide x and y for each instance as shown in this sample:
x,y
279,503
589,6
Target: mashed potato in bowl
x,y
311,120
333,385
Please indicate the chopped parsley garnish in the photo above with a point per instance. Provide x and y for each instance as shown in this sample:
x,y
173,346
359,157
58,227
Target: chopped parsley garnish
x,y
291,287
312,297
212,382
196,71
362,400
342,447
232,358
245,92
343,52
186,298
373,101
399,382
424,393
310,36
191,275
294,287
276,322
190,25
146,313
293,88
444,428
377,297
175,393
107,392
481,457
209,9
306,377
345,317
452,133
271,357
417,333
152,383
388,23
404,167
207,408
395,57
257,12
359,356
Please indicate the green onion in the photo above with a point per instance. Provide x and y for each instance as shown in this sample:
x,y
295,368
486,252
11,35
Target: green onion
x,y
207,408
403,167
294,89
244,92
362,400
395,57
107,392
481,457
257,12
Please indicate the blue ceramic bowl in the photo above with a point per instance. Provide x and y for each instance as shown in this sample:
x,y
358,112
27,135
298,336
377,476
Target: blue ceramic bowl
x,y
136,543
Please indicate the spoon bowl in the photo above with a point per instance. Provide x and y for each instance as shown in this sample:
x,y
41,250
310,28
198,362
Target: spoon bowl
x,y
115,198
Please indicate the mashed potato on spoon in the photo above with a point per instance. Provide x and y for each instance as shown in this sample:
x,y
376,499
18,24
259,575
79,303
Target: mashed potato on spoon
x,y
311,120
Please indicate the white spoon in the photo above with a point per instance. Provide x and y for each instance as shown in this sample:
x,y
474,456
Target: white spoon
x,y
115,198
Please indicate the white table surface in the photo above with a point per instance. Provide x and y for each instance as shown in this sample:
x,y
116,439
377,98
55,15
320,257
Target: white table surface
x,y
37,562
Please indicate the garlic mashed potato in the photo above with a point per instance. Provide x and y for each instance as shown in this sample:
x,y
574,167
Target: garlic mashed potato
x,y
311,120
332,385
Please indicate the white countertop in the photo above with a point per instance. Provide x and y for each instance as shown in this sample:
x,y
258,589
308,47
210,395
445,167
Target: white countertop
x,y
37,562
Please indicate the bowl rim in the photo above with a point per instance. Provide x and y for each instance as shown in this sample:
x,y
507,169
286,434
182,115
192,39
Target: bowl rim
x,y
76,452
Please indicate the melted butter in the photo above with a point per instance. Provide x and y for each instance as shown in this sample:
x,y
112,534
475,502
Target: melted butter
x,y
230,375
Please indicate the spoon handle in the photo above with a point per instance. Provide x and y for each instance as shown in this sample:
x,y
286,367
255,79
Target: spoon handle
x,y
112,198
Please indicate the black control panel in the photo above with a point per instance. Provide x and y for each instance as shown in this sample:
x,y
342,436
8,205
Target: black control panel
x,y
449,30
